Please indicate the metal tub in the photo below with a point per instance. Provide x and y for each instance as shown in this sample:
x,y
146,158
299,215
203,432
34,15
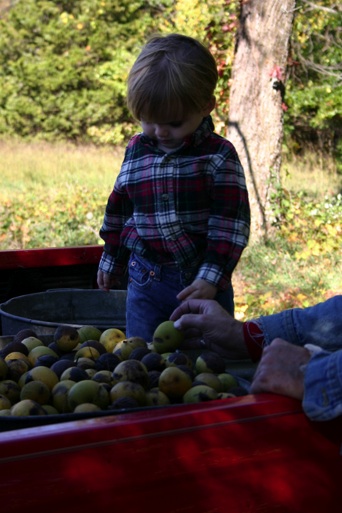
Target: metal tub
x,y
45,311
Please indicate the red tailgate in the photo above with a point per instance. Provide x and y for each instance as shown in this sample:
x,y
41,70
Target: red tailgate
x,y
249,454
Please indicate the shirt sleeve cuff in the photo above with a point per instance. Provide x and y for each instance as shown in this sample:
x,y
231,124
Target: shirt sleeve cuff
x,y
254,339
109,265
214,274
323,386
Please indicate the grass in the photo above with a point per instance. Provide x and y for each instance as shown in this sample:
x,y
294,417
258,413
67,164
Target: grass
x,y
295,270
46,166
55,195
316,175
270,278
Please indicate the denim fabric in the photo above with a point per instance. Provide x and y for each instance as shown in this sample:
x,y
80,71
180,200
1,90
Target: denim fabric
x,y
151,295
320,325
323,386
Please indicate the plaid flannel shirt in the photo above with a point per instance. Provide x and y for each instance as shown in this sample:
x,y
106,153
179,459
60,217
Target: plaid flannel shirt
x,y
189,207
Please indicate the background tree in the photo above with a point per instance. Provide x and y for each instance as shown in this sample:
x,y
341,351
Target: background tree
x,y
256,100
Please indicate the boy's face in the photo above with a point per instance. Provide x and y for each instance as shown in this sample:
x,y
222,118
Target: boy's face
x,y
170,133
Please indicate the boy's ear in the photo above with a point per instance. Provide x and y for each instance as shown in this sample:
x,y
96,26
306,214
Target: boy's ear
x,y
209,107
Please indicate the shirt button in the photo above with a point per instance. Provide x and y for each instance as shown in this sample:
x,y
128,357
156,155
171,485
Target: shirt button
x,y
165,197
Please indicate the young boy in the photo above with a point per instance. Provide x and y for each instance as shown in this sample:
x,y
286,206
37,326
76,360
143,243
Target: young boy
x,y
179,215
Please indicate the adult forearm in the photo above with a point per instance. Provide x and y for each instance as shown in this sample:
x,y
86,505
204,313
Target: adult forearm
x,y
320,324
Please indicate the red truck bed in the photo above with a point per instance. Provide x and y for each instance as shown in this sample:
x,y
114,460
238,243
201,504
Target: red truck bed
x,y
37,270
251,454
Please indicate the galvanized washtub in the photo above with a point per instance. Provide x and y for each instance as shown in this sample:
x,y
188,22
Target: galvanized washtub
x,y
44,311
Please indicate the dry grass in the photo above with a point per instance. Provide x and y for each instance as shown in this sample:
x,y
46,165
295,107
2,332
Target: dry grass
x,y
51,165
311,173
45,165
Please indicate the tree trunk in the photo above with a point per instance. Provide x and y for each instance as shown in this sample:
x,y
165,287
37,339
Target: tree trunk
x,y
256,107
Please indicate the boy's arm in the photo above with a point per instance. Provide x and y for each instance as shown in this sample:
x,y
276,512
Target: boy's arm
x,y
115,256
229,221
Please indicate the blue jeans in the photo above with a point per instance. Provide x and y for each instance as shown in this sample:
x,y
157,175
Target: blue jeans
x,y
151,295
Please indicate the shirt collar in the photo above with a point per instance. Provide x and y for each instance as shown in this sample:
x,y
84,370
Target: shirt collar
x,y
205,129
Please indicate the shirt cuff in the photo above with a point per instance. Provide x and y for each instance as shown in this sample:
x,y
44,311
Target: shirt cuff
x,y
213,274
254,339
109,265
323,386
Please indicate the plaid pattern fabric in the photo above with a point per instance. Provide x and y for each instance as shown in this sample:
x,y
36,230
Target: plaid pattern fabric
x,y
188,207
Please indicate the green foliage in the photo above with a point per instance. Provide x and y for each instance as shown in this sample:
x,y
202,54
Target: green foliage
x,y
269,279
300,264
58,195
311,227
313,90
63,67
67,217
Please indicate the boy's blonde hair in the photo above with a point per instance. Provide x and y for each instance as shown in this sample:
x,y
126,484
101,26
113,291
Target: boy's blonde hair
x,y
173,75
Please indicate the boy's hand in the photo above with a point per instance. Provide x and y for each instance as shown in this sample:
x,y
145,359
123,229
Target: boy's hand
x,y
106,281
199,289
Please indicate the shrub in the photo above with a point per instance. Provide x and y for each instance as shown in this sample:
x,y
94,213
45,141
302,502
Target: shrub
x,y
63,67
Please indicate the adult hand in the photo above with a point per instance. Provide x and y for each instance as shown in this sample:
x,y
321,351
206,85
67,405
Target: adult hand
x,y
207,325
199,289
279,370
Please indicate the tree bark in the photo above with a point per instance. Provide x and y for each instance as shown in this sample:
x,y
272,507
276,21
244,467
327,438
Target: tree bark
x,y
256,107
